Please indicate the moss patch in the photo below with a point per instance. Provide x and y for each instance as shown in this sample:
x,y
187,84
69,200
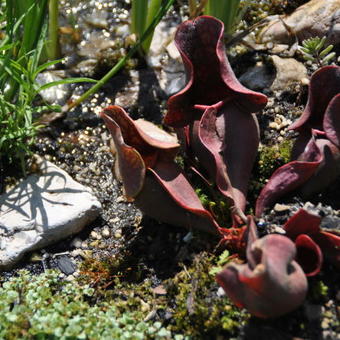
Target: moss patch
x,y
45,307
197,309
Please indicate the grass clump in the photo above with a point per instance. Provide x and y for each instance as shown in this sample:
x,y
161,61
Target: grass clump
x,y
23,28
226,10
46,307
17,131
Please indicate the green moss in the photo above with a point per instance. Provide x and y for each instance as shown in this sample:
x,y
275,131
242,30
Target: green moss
x,y
46,307
197,308
270,158
191,296
222,260
215,202
110,299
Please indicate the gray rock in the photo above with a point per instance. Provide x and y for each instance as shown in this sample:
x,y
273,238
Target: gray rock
x,y
66,265
42,209
162,37
56,94
86,67
258,77
288,72
331,223
172,77
315,18
94,46
98,19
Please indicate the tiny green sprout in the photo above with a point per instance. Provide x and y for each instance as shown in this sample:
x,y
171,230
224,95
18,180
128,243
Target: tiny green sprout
x,y
319,290
222,260
313,50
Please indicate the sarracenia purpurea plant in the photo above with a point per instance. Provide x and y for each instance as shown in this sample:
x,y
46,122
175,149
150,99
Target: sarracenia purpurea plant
x,y
214,118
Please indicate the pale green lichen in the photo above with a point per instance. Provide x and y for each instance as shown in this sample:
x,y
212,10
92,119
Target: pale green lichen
x,y
46,307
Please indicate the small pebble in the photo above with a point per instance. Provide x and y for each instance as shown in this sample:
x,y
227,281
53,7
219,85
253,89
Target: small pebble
x,y
77,252
94,244
279,230
281,208
102,245
220,292
76,242
325,323
305,81
159,290
150,316
84,245
118,233
69,278
106,232
188,237
66,265
120,199
145,306
273,125
95,235
114,220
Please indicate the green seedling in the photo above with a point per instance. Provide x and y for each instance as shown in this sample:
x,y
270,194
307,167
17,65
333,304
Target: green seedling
x,y
222,260
313,49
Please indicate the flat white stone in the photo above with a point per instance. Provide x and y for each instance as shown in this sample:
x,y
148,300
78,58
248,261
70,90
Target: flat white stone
x,y
43,209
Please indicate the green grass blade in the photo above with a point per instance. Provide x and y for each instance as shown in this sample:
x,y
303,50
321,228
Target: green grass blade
x,y
320,44
44,66
65,81
53,47
225,10
33,24
6,47
139,12
328,58
36,53
154,7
